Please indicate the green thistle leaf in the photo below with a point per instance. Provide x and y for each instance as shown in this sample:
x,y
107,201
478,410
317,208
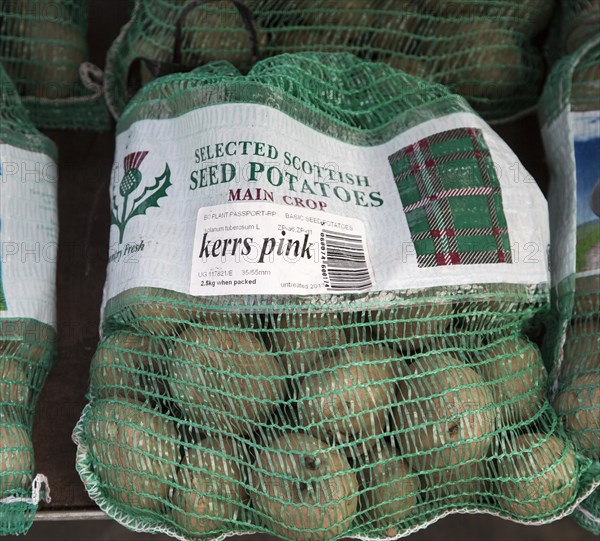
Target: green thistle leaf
x,y
157,191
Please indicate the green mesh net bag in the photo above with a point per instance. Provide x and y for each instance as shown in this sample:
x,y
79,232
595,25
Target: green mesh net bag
x,y
28,243
44,50
482,50
324,295
570,116
588,512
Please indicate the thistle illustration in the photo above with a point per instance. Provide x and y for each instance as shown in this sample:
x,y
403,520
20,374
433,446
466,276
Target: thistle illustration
x,y
131,181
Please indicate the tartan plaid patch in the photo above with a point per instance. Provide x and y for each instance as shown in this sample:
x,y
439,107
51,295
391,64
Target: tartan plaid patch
x,y
452,199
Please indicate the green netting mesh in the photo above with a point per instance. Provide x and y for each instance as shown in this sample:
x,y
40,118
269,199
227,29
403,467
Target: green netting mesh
x,y
571,110
482,50
26,345
44,50
588,512
313,417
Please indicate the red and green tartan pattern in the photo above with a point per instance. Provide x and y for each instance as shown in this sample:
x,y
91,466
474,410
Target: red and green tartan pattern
x,y
452,199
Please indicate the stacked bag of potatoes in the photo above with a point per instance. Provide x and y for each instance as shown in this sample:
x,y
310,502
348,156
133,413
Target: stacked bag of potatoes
x,y
570,117
574,23
43,48
28,246
484,50
321,312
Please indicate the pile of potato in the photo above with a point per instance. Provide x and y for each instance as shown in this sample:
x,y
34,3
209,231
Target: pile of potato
x,y
313,424
480,50
25,354
42,46
578,400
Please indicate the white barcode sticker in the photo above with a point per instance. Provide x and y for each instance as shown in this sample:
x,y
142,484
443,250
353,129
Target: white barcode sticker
x,y
271,249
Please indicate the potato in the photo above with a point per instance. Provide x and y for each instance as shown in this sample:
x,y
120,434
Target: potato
x,y
398,30
134,451
578,406
542,477
16,460
390,489
454,8
413,65
14,375
478,59
27,339
124,364
225,380
303,489
535,14
349,400
162,312
297,337
529,16
210,488
584,25
212,33
581,350
332,13
514,366
460,485
445,413
492,310
587,296
412,326
304,39
47,57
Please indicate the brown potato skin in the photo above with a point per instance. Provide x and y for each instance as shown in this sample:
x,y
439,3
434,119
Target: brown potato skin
x,y
515,368
327,12
163,315
297,337
209,35
458,486
16,460
414,330
470,69
452,428
224,379
578,406
205,479
14,379
128,442
54,50
124,373
538,493
587,296
351,398
328,508
583,27
390,488
528,15
585,97
582,349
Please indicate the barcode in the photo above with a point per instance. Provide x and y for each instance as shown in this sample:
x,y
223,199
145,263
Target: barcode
x,y
345,265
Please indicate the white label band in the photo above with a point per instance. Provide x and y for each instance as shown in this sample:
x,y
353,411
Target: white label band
x,y
28,235
444,203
